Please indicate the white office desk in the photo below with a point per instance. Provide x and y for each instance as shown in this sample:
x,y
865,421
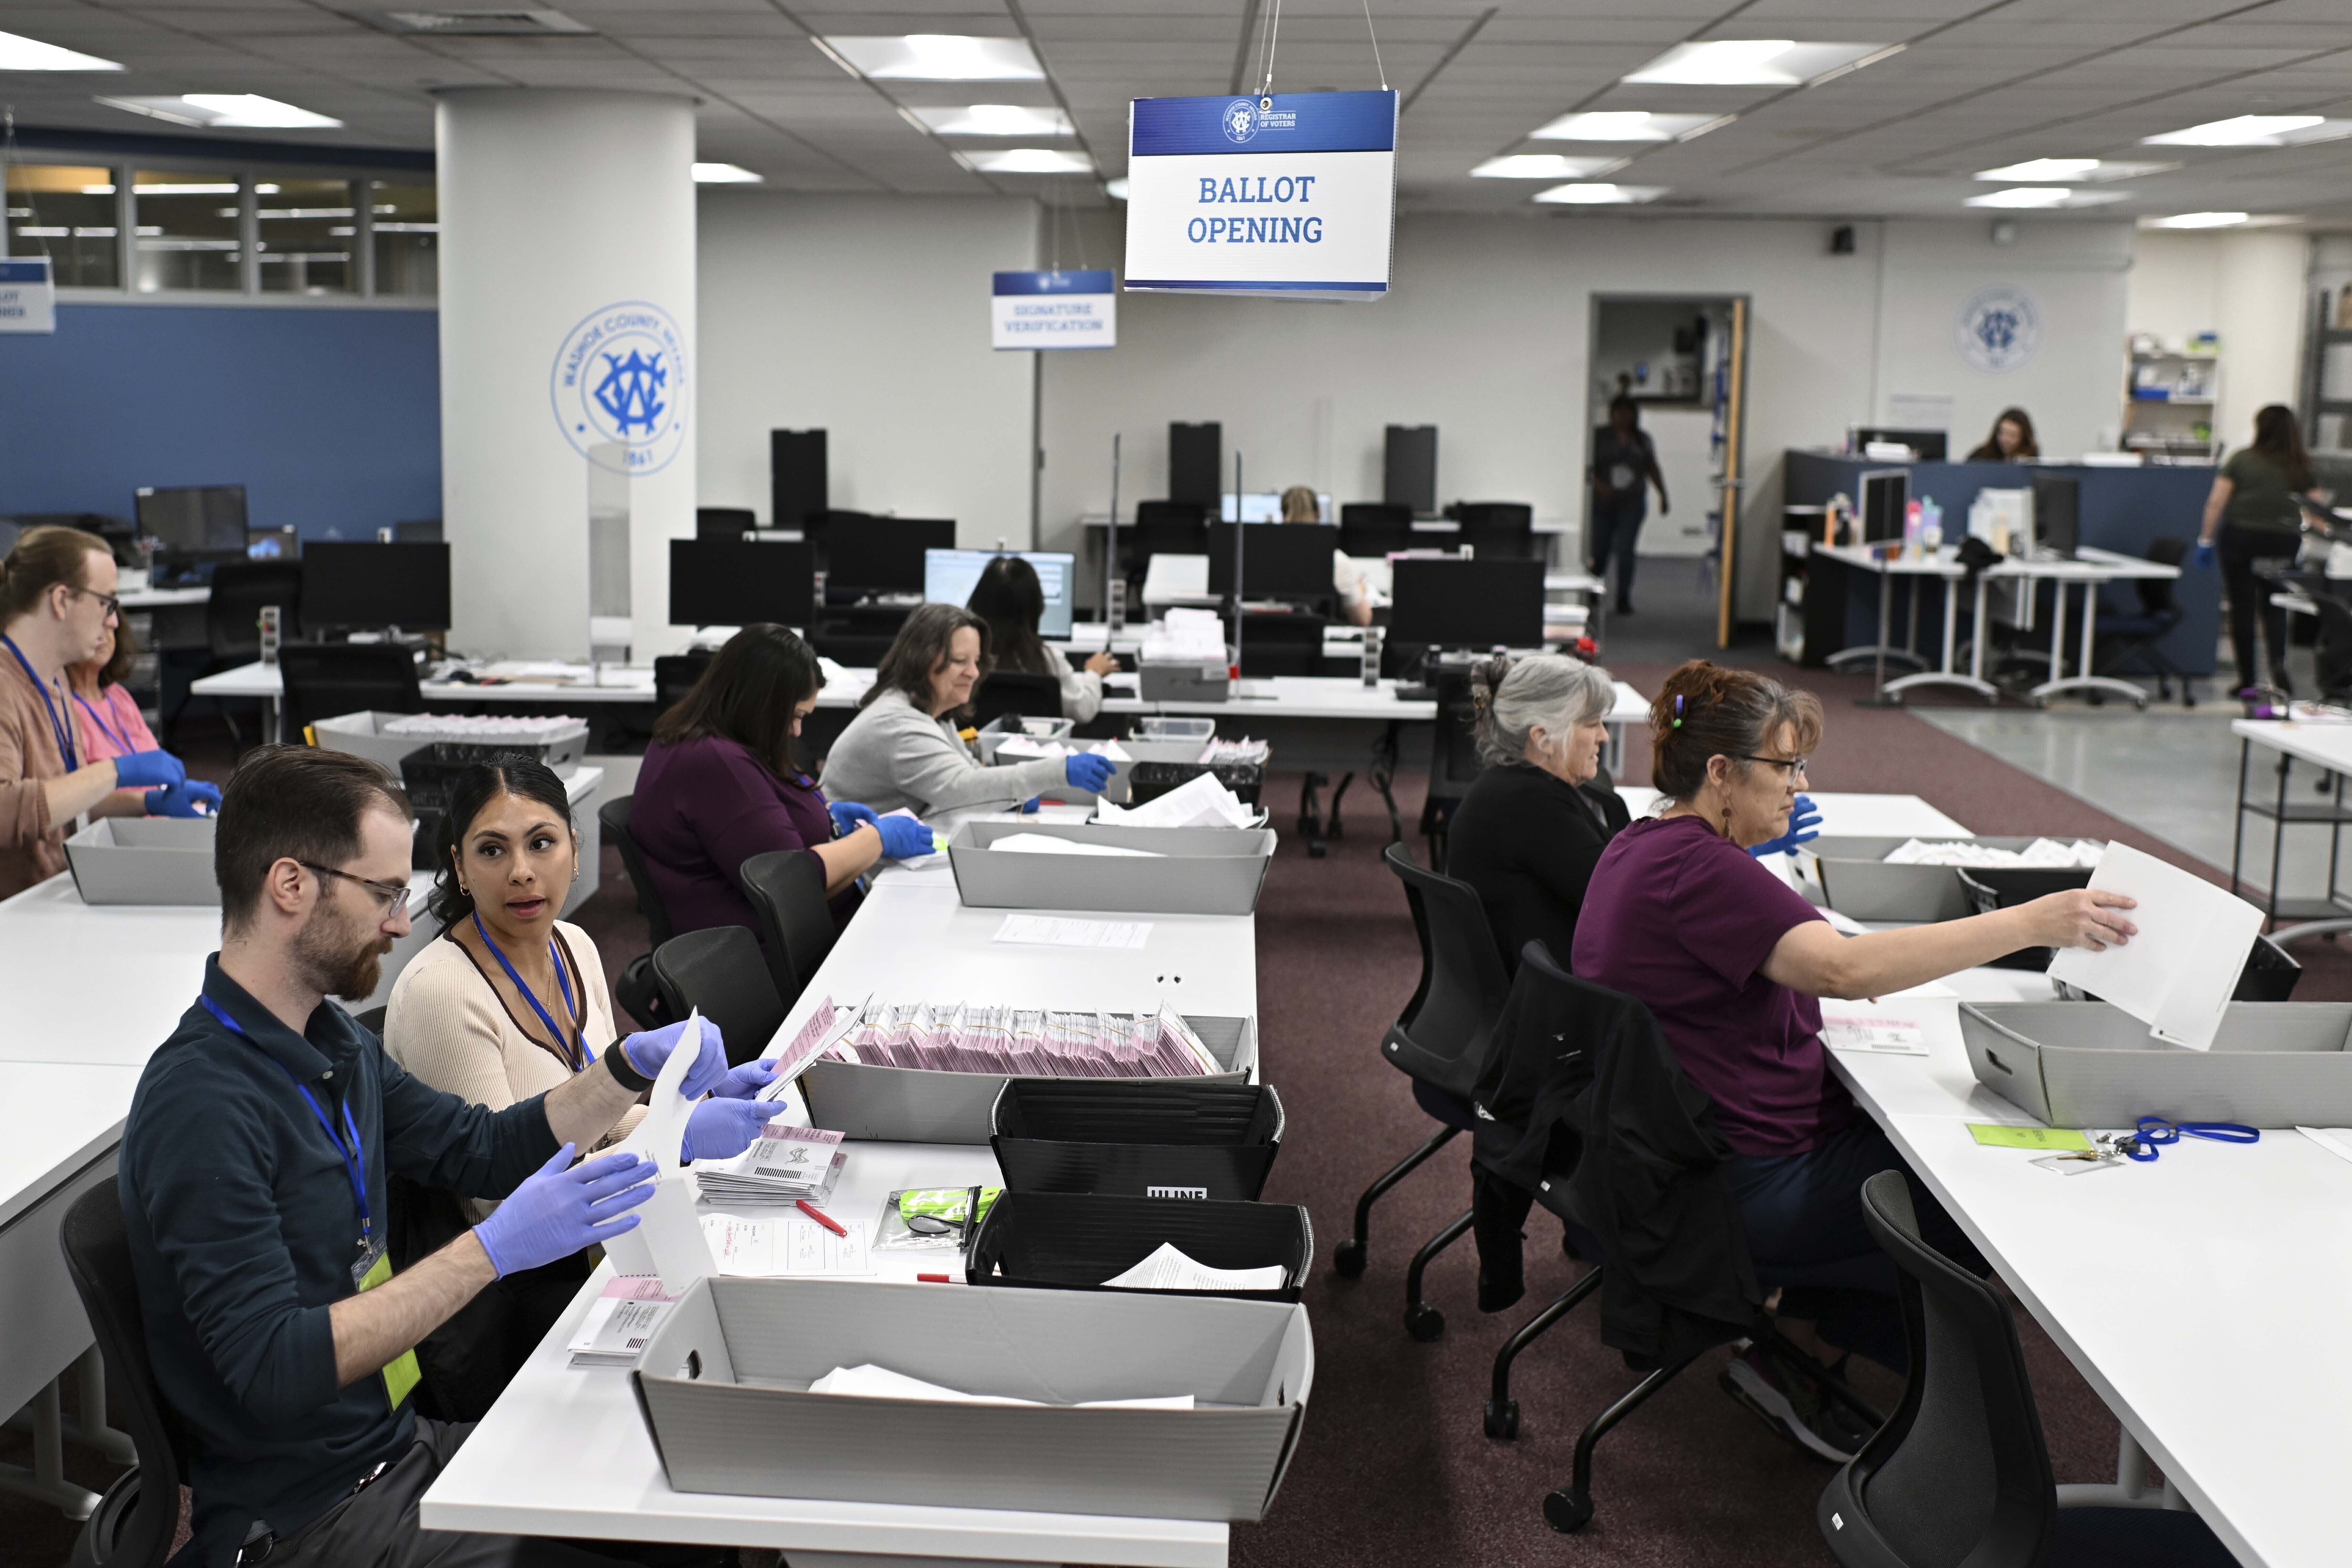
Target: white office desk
x,y
163,598
2328,747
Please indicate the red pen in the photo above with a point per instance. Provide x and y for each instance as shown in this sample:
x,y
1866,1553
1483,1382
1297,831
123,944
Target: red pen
x,y
934,1280
819,1215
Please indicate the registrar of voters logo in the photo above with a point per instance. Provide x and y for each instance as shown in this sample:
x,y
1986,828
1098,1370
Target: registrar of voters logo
x,y
620,379
1240,120
1998,328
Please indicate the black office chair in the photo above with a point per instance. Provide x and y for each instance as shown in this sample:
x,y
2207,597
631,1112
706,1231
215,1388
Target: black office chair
x,y
1017,692
1497,529
372,1020
2123,637
786,887
636,990
725,522
133,1524
1442,1041
1959,1473
1454,762
240,591
1374,528
718,970
1282,645
323,680
675,675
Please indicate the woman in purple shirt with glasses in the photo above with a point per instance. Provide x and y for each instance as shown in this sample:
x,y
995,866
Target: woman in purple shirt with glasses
x,y
1731,959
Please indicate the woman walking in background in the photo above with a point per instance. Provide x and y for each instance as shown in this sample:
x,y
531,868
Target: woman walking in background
x,y
1624,463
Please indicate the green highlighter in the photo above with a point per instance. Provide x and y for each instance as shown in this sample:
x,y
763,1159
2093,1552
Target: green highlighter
x,y
1994,1136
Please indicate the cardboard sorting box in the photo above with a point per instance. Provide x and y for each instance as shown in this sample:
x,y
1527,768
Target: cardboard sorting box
x,y
1004,726
1203,870
1187,679
724,1387
1166,1137
2091,1063
362,734
916,1105
1851,874
1076,1241
145,860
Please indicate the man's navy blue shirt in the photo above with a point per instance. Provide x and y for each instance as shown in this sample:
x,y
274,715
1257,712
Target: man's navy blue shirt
x,y
243,1229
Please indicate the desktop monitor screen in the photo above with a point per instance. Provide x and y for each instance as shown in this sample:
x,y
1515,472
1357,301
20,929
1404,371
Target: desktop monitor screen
x,y
736,582
949,576
1266,506
272,545
1885,494
882,554
370,585
1279,561
2057,523
1468,604
187,519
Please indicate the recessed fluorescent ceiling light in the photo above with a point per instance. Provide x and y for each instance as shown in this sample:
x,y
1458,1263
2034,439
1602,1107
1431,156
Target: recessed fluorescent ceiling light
x,y
1116,189
2254,130
2093,169
994,120
225,110
936,57
2044,197
1029,161
1756,62
2195,220
1542,166
1625,125
724,175
21,54
1600,195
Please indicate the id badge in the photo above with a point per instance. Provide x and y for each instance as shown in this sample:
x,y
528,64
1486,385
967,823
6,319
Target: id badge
x,y
401,1374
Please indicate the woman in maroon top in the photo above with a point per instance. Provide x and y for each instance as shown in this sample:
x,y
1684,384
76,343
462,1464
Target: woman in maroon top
x,y
719,785
1731,959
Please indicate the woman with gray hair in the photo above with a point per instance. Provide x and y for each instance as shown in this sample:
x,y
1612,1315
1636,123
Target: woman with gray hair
x,y
1531,829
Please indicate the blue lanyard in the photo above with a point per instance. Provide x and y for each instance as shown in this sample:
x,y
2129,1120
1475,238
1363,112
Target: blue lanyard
x,y
2155,1130
104,728
63,731
578,1060
354,1155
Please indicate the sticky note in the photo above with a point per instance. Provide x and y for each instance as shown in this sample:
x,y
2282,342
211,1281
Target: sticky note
x,y
1993,1136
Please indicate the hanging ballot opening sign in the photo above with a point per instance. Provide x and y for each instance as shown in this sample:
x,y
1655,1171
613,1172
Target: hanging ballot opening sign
x,y
1053,311
28,303
1228,196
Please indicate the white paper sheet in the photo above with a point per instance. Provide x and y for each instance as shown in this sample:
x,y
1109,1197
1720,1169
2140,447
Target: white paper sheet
x,y
1198,802
665,1243
1046,843
775,1246
1168,1268
2336,1140
871,1381
2177,974
1053,931
1875,1033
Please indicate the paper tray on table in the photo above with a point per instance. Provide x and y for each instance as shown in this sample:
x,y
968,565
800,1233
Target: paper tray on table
x,y
1202,871
2091,1063
723,1386
1851,874
919,1105
145,860
362,734
1076,1241
1167,1138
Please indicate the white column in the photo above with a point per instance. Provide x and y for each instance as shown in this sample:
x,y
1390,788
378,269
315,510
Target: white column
x,y
567,324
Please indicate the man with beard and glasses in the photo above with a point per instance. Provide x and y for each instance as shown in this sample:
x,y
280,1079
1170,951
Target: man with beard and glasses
x,y
252,1178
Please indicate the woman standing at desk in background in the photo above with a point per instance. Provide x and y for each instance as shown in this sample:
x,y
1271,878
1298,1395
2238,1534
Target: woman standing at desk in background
x,y
1680,916
2253,515
1624,463
56,607
1353,589
2010,441
108,719
719,785
1011,600
903,749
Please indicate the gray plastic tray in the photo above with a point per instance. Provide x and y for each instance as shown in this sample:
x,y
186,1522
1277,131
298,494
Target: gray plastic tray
x,y
1852,876
910,1105
362,734
724,1387
145,860
1186,680
1205,870
2091,1063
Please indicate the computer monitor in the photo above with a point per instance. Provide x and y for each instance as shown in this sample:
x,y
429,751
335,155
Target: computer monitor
x,y
2057,523
1409,467
189,520
272,545
1885,493
949,576
1279,561
1266,506
1926,445
371,586
882,554
1467,603
735,581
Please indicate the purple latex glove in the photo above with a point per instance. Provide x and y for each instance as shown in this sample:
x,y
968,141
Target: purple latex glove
x,y
648,1051
722,1129
746,1081
562,1208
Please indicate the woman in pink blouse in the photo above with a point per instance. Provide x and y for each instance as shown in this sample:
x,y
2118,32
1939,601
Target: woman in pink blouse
x,y
106,717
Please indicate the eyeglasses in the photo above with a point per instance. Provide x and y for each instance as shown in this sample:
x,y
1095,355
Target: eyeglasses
x,y
113,605
1793,766
394,896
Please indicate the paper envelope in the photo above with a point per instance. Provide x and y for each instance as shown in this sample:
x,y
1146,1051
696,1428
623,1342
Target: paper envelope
x,y
667,1241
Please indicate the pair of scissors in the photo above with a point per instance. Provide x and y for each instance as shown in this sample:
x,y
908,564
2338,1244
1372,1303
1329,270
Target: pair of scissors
x,y
2154,1131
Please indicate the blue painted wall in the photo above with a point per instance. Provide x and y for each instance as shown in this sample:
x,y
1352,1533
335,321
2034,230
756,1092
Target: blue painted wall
x,y
330,419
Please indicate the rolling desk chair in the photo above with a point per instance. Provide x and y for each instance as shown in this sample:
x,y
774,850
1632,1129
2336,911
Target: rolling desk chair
x,y
1017,692
1960,1473
724,521
133,1524
719,971
2122,637
241,591
675,675
636,990
786,887
1453,764
1442,1041
1497,529
1374,528
323,680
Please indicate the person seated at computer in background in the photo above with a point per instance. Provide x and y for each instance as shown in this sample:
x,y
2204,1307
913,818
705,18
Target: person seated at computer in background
x,y
254,1184
1012,601
2011,441
1681,916
56,607
1300,504
1536,819
719,785
904,749
106,716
